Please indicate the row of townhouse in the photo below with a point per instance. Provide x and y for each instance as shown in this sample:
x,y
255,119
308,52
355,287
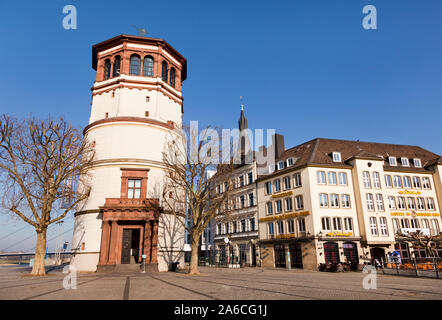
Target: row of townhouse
x,y
331,201
346,201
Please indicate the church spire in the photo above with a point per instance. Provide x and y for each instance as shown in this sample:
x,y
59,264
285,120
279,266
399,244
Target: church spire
x,y
242,122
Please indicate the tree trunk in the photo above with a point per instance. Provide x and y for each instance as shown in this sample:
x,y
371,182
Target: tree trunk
x,y
194,258
40,250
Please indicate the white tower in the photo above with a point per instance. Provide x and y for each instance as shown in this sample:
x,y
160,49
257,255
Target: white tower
x,y
136,101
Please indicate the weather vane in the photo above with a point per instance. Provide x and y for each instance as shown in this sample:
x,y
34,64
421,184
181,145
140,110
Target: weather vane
x,y
141,31
242,106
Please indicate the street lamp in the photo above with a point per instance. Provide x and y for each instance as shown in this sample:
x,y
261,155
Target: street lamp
x,y
227,241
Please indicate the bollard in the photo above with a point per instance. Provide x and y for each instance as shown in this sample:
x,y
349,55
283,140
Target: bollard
x,y
415,267
144,263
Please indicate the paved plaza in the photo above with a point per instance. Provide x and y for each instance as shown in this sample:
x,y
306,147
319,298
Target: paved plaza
x,y
215,284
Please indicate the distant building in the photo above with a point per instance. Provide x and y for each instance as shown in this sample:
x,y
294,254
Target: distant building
x,y
240,225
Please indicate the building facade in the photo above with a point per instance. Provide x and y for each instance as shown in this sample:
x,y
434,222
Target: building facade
x,y
236,234
330,201
136,102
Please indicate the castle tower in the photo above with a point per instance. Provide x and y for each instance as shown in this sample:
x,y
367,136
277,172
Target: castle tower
x,y
136,101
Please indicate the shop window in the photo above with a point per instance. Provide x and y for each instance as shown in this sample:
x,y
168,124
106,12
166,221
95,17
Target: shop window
x,y
403,250
331,252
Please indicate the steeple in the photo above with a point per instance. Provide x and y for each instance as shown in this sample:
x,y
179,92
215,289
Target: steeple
x,y
242,122
244,147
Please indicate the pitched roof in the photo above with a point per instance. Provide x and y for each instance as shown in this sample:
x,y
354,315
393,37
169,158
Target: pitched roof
x,y
319,152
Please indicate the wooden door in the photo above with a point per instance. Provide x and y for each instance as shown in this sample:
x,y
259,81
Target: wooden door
x,y
126,246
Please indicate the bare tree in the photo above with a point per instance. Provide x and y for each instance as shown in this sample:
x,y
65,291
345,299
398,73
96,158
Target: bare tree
x,y
44,167
421,241
194,172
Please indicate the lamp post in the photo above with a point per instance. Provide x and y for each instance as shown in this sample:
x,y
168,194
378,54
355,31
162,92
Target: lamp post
x,y
227,241
144,263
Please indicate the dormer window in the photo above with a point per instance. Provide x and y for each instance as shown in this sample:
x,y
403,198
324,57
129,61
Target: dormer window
x,y
392,161
336,156
417,163
404,162
290,162
280,165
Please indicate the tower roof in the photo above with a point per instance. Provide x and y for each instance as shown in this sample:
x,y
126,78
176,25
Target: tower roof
x,y
110,43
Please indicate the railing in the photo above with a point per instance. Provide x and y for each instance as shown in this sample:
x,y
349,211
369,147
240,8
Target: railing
x,y
418,267
25,258
217,260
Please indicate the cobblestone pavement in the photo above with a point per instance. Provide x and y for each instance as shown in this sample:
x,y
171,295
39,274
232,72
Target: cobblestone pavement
x,y
217,284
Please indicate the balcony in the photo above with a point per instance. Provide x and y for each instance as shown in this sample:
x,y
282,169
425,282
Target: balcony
x,y
131,203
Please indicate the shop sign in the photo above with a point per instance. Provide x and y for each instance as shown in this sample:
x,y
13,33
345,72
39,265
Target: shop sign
x,y
409,192
285,216
414,214
339,234
285,236
284,194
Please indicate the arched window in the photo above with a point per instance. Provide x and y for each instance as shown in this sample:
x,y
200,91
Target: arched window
x,y
135,65
164,71
172,77
107,69
148,67
117,63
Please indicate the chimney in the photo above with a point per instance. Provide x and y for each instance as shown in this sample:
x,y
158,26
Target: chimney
x,y
278,142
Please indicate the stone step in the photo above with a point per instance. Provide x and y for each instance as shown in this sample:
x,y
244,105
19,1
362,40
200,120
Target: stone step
x,y
136,267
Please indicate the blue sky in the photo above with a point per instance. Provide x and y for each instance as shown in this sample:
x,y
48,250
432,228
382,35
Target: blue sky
x,y
305,67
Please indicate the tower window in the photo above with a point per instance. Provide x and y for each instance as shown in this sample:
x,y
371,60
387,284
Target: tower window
x,y
164,71
117,63
135,65
172,77
147,98
107,69
134,188
148,67
146,113
106,115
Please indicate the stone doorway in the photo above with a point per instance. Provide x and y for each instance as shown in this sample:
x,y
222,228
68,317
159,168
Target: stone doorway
x,y
130,246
